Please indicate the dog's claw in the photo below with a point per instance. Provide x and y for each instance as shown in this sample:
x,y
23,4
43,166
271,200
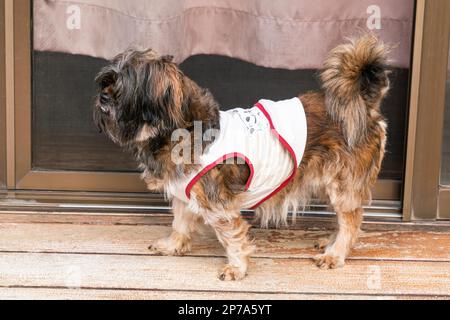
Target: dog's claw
x,y
169,247
329,261
230,273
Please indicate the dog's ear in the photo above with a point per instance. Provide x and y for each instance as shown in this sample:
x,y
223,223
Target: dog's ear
x,y
147,97
161,94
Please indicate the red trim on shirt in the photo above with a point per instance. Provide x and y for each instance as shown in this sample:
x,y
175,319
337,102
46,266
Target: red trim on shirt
x,y
219,161
288,148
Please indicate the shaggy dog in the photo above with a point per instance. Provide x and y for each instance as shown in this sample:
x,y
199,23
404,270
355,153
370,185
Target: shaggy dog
x,y
144,98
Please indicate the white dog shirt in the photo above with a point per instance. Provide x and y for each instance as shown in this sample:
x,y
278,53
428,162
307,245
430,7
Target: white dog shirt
x,y
270,138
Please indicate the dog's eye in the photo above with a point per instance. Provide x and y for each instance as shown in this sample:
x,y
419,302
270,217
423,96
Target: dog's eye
x,y
105,83
104,98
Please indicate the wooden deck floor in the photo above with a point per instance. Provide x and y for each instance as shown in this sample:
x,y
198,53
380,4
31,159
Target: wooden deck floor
x,y
46,256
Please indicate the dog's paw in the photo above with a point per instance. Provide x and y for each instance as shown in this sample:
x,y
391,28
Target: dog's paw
x,y
170,247
329,261
230,273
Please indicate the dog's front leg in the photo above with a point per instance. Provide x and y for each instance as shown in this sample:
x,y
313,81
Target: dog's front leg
x,y
184,225
232,232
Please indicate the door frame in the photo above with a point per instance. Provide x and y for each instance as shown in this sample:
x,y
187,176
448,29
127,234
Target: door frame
x,y
22,178
25,177
424,198
2,98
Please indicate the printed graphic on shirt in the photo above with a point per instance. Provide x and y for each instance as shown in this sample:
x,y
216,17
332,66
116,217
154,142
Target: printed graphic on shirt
x,y
253,119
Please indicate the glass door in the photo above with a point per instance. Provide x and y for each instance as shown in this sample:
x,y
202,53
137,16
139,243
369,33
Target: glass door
x,y
2,99
444,190
427,186
58,148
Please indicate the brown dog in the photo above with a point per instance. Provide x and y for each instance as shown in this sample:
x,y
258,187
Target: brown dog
x,y
144,98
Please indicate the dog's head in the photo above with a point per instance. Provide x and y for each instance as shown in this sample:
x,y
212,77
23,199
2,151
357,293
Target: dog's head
x,y
140,96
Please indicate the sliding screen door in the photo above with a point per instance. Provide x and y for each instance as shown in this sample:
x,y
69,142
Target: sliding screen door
x,y
58,146
444,190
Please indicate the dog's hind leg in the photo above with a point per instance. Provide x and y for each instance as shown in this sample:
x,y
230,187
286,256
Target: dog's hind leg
x,y
185,223
232,233
336,251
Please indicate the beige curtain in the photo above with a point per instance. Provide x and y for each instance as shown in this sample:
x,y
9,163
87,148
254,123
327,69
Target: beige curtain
x,y
289,34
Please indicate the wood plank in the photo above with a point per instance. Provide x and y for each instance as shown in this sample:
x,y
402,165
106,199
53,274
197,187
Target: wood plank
x,y
286,276
99,294
134,240
152,218
34,217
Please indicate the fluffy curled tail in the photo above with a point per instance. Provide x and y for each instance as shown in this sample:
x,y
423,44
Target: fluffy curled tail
x,y
355,79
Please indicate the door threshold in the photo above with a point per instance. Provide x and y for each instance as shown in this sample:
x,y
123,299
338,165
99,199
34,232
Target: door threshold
x,y
377,210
